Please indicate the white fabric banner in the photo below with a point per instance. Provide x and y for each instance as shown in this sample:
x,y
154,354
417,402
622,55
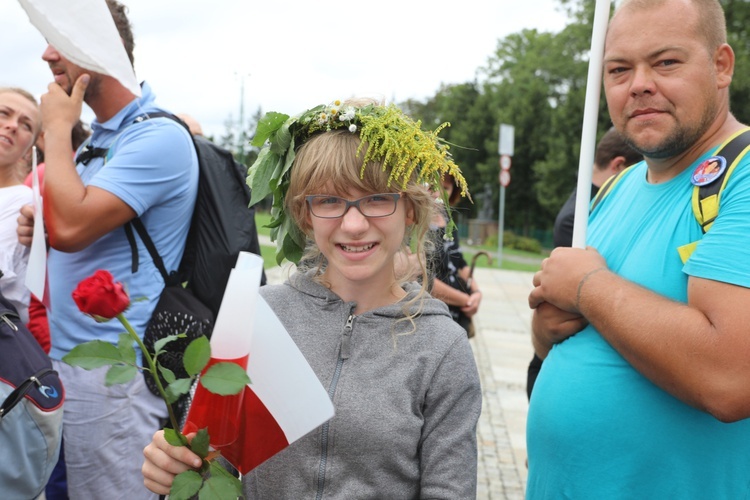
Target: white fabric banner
x,y
83,31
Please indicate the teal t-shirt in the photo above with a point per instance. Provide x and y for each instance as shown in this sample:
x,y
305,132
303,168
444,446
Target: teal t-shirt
x,y
598,429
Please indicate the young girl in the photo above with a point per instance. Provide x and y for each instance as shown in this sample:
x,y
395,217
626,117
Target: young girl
x,y
399,371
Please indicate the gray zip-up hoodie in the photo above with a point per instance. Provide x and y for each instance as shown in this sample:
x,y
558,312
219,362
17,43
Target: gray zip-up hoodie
x,y
406,414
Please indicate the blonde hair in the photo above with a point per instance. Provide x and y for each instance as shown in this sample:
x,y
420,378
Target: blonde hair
x,y
329,161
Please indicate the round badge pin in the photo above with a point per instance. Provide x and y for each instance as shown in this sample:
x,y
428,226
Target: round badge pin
x,y
708,171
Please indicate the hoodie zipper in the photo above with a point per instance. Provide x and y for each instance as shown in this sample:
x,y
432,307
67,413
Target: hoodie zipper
x,y
344,352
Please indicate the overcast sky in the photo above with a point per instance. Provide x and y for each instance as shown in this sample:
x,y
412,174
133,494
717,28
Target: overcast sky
x,y
294,54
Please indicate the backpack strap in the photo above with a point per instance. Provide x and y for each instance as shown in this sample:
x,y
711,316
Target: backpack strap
x,y
705,199
87,153
607,187
169,278
172,278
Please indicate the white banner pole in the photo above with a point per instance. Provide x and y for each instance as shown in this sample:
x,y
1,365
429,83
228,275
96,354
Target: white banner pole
x,y
590,119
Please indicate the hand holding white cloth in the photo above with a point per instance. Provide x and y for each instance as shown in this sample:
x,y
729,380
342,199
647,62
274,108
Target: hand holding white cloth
x,y
83,31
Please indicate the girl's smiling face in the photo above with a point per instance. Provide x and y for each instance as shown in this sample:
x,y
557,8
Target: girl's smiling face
x,y
360,250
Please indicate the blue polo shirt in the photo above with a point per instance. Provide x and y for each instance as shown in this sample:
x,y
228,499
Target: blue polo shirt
x,y
154,169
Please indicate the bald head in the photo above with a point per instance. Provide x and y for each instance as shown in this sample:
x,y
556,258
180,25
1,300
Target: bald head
x,y
711,25
192,123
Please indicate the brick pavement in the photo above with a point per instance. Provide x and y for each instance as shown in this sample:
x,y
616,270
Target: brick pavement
x,y
502,348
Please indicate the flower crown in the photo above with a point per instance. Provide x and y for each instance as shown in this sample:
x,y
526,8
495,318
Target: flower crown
x,y
387,135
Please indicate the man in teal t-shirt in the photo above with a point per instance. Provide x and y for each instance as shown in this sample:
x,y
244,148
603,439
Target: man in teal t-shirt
x,y
645,389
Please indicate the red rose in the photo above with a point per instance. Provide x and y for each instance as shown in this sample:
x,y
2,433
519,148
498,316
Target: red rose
x,y
100,296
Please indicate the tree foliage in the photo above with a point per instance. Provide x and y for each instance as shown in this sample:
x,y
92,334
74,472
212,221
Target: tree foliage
x,y
463,106
536,81
738,35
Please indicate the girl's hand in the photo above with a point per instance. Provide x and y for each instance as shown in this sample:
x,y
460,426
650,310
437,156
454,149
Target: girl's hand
x,y
164,461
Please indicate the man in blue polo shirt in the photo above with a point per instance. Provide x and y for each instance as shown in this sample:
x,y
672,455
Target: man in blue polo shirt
x,y
151,172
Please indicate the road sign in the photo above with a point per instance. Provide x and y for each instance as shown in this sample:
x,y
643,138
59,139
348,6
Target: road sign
x,y
504,178
505,139
505,162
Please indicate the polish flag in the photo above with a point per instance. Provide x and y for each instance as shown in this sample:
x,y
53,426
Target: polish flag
x,y
284,399
36,267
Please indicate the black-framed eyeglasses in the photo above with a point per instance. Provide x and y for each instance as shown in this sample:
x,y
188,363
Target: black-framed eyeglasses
x,y
332,207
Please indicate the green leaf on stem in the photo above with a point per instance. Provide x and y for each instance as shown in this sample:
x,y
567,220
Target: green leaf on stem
x,y
225,379
185,485
125,346
119,374
217,469
178,388
200,442
221,484
175,438
159,344
167,374
267,126
196,356
93,355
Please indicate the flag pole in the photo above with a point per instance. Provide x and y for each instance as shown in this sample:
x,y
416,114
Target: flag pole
x,y
590,118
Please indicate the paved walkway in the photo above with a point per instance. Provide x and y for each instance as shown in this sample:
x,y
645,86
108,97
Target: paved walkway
x,y
502,347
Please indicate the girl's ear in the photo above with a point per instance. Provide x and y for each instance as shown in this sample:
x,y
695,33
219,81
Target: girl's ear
x,y
409,210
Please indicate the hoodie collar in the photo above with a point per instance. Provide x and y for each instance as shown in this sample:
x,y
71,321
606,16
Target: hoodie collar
x,y
304,282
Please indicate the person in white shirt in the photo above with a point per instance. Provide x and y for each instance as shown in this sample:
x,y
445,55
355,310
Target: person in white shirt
x,y
20,123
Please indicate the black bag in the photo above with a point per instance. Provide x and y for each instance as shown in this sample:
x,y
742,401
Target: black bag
x,y
458,282
446,262
178,311
223,223
458,316
31,409
222,226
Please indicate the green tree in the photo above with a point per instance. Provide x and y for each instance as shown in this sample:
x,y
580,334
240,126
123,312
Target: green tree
x,y
237,137
738,35
460,105
536,81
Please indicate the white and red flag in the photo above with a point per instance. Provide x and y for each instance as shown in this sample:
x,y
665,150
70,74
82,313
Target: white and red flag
x,y
284,400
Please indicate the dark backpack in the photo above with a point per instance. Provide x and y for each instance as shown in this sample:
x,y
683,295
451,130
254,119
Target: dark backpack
x,y
31,397
223,225
223,222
